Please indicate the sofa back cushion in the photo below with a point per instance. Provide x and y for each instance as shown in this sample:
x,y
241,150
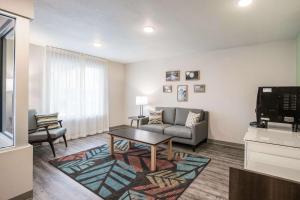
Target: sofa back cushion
x,y
182,114
168,114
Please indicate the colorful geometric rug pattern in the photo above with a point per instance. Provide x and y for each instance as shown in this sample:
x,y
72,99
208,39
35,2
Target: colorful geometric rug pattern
x,y
126,175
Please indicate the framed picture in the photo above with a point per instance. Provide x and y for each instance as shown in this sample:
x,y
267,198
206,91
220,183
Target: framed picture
x,y
199,88
167,88
173,76
192,75
182,93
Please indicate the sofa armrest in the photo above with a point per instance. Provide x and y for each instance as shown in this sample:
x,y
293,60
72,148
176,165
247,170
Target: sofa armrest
x,y
199,132
144,121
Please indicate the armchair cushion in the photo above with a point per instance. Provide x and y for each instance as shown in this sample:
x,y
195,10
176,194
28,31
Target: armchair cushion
x,y
42,135
179,131
50,119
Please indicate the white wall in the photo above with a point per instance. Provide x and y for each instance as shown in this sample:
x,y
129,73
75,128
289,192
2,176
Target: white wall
x,y
18,7
232,77
116,93
16,179
116,78
16,171
36,66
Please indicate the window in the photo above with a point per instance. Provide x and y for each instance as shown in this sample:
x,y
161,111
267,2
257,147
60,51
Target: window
x,y
76,88
7,58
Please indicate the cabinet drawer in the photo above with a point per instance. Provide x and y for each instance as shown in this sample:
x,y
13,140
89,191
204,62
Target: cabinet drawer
x,y
276,160
274,165
282,151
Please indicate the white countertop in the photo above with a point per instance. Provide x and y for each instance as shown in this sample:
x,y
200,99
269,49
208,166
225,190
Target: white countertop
x,y
277,136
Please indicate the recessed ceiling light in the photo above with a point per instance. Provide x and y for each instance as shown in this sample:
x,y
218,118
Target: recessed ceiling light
x,y
148,29
244,3
97,44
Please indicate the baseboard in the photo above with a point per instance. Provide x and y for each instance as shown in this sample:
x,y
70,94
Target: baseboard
x,y
224,143
25,196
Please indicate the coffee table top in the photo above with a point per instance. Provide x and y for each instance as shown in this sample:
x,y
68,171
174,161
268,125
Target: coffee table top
x,y
138,135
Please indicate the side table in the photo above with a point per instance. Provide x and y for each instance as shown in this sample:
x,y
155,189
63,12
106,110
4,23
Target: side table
x,y
135,118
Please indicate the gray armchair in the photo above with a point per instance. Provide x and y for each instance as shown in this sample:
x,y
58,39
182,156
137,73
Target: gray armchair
x,y
174,125
47,135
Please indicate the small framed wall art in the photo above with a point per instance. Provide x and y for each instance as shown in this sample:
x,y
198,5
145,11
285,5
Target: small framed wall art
x,y
182,93
192,75
173,76
199,88
167,89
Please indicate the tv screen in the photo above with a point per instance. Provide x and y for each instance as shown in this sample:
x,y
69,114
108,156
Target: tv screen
x,y
278,104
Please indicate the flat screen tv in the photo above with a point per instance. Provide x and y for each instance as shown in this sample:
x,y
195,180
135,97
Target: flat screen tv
x,y
278,104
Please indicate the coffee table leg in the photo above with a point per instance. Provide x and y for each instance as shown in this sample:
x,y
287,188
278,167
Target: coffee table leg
x,y
153,158
170,152
111,144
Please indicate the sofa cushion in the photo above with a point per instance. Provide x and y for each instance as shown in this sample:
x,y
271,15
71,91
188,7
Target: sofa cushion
x,y
50,120
179,131
168,114
155,117
182,113
192,119
157,128
42,135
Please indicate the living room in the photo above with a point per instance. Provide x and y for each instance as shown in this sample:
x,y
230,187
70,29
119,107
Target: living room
x,y
150,100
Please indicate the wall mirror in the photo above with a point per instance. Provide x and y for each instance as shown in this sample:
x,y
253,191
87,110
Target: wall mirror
x,y
7,83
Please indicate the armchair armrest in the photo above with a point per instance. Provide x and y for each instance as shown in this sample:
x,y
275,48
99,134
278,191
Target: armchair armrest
x,y
60,122
44,126
199,132
144,121
46,129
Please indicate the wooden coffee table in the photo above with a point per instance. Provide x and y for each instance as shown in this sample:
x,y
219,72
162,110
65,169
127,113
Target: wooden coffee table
x,y
144,137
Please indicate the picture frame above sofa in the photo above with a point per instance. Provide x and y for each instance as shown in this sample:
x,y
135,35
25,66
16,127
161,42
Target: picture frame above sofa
x,y
182,93
192,75
173,76
199,88
167,89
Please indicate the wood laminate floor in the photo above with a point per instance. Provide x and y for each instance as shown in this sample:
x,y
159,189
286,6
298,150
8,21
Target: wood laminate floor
x,y
51,184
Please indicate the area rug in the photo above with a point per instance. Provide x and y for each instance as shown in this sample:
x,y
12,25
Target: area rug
x,y
127,175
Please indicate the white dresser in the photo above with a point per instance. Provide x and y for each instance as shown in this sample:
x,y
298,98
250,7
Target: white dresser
x,y
273,151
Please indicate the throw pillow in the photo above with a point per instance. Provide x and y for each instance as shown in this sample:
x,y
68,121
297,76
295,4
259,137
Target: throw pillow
x,y
51,120
192,119
155,117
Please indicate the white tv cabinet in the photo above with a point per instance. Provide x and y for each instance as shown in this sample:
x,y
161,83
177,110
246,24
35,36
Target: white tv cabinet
x,y
273,151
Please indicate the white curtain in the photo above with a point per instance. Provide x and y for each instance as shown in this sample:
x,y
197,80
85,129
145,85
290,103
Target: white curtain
x,y
76,87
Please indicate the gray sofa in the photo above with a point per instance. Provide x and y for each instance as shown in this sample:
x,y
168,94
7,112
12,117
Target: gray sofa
x,y
174,125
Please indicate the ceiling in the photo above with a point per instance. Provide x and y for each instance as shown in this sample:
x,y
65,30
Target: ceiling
x,y
181,26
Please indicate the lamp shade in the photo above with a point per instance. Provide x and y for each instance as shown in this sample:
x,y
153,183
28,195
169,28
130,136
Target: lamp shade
x,y
141,100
